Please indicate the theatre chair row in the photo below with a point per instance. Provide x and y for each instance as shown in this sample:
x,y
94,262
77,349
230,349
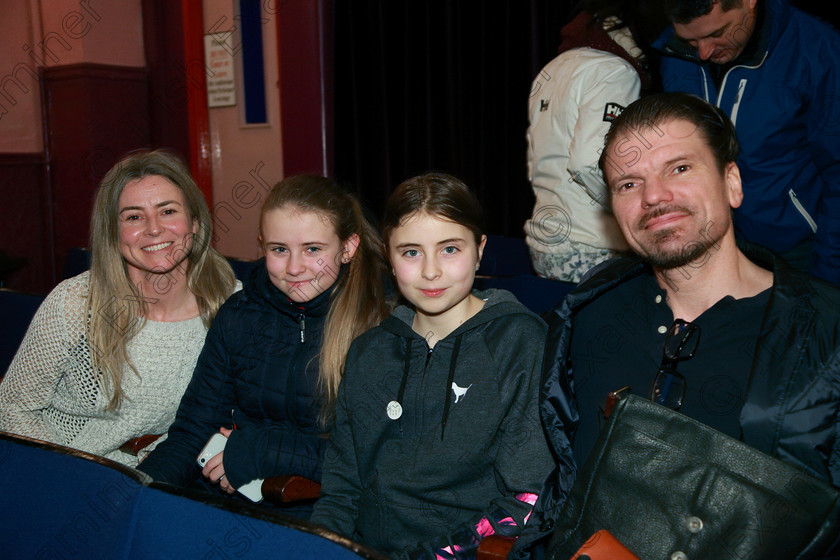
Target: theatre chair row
x,y
64,503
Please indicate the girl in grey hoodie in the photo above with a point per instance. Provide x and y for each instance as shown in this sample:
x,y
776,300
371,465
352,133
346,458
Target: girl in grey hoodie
x,y
437,440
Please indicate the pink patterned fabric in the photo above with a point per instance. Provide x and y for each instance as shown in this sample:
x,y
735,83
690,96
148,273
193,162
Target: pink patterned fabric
x,y
484,528
528,499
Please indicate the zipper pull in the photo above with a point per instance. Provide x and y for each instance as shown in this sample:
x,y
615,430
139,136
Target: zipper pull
x,y
302,323
232,420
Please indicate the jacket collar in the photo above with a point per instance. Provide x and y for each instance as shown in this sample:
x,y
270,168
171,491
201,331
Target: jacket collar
x,y
497,303
610,274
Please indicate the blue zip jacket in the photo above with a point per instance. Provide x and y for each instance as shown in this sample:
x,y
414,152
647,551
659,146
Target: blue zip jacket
x,y
785,103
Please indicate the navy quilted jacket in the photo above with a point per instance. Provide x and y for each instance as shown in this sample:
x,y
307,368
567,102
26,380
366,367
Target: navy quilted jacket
x,y
258,370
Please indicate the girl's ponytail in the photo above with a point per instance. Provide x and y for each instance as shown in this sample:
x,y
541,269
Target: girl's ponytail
x,y
358,304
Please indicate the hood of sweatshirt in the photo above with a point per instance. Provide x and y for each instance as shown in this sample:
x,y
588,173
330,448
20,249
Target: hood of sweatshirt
x,y
583,32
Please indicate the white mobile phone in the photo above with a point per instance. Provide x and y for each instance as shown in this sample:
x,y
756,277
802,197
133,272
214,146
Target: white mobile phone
x,y
214,446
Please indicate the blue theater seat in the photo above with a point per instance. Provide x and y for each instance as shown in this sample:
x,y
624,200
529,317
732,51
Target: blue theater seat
x,y
16,312
78,261
241,268
505,256
506,265
538,294
62,503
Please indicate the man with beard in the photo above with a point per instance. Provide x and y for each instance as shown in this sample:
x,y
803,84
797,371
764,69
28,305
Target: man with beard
x,y
753,347
754,343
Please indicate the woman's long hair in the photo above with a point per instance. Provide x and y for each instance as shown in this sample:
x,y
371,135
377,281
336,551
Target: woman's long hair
x,y
115,307
358,301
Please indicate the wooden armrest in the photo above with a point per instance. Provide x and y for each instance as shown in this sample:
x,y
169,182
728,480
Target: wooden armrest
x,y
286,489
494,547
133,446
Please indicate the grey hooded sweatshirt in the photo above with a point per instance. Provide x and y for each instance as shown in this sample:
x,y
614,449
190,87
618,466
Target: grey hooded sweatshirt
x,y
462,456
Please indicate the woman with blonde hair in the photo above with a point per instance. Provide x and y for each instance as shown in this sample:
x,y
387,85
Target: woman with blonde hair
x,y
268,376
110,351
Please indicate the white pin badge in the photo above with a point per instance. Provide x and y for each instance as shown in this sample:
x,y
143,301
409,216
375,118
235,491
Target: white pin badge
x,y
394,410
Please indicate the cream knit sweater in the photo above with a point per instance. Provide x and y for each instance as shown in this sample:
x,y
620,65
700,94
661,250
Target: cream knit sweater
x,y
52,393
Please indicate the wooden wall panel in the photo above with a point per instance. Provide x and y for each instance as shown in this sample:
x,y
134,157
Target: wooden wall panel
x,y
94,114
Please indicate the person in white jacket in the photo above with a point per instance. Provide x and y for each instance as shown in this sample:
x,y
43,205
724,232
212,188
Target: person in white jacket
x,y
602,67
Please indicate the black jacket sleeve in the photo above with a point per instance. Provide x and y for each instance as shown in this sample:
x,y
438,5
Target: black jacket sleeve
x,y
272,449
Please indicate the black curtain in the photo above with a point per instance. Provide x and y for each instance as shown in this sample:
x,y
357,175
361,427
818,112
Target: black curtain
x,y
443,85
440,85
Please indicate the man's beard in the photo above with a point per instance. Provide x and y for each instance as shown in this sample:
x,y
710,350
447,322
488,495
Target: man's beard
x,y
667,259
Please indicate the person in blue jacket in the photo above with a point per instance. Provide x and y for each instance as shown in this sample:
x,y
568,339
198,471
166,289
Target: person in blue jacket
x,y
268,375
775,71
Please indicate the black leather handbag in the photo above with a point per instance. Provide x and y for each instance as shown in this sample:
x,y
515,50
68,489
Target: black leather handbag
x,y
669,487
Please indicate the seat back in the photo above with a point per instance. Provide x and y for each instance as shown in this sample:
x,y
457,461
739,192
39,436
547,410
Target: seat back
x,y
78,261
16,312
505,256
69,504
538,294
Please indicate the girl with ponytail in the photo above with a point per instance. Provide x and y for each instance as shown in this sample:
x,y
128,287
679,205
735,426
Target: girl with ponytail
x,y
268,376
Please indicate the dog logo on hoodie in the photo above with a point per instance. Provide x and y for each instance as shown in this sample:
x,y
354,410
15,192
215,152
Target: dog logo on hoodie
x,y
460,392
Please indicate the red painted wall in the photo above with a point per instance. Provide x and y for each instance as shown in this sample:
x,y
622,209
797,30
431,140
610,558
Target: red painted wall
x,y
304,31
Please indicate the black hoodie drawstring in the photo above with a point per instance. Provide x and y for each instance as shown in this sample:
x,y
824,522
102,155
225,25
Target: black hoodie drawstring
x,y
452,361
394,408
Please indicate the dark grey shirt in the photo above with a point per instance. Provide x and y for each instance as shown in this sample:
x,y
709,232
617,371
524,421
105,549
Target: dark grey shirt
x,y
617,341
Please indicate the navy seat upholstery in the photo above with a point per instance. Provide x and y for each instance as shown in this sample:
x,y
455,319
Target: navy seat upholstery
x,y
240,268
505,256
506,264
16,312
68,504
538,294
78,261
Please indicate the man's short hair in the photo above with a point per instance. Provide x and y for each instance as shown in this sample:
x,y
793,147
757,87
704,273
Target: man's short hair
x,y
653,110
684,11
